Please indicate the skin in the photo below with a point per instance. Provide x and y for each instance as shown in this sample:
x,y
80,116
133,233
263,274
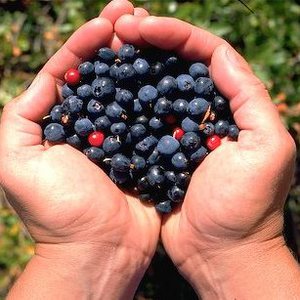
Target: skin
x,y
232,213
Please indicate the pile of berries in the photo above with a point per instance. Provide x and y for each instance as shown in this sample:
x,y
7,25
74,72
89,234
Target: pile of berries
x,y
146,117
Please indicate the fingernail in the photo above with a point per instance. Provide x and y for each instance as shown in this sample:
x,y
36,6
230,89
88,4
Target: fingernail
x,y
236,59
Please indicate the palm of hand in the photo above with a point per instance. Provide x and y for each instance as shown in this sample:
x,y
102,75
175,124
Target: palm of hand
x,y
230,198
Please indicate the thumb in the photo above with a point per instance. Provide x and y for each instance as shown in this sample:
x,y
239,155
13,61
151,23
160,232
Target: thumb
x,y
19,121
249,100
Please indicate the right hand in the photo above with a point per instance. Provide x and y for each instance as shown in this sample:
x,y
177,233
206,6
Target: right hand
x,y
234,204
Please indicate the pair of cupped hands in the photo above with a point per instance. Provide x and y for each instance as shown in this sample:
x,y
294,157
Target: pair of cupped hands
x,y
72,209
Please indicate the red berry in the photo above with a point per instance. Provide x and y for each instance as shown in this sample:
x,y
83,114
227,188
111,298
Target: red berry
x,y
72,77
178,133
213,142
170,119
96,138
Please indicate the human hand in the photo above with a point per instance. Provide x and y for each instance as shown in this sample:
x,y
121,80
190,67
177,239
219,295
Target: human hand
x,y
73,211
232,215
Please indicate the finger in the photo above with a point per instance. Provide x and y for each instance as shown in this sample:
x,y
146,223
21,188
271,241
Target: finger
x,y
20,116
188,41
115,9
249,99
80,46
140,12
126,29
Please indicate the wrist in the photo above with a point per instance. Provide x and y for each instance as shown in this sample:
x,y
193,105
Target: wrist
x,y
82,271
249,271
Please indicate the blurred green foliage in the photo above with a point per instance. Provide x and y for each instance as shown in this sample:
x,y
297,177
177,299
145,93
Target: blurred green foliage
x,y
31,31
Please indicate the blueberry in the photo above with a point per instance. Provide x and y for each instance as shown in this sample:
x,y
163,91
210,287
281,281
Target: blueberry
x,y
72,105
111,145
179,161
138,131
94,154
106,54
74,141
188,124
156,69
209,129
145,197
126,72
167,145
156,175
56,113
176,194
128,139
102,123
83,127
153,158
221,128
119,177
197,107
86,68
167,85
147,94
114,111
103,87
120,163
118,128
183,179
138,162
147,144
54,133
141,66
164,207
180,106
137,107
220,104
123,97
198,70
185,83
162,107
143,184
155,123
101,68
141,120
190,141
198,155
170,177
84,91
66,91
113,70
126,52
233,132
204,86
95,108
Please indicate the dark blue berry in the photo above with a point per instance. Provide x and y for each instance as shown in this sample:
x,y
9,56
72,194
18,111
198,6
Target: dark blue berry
x,y
164,207
176,194
146,145
162,107
101,68
147,94
180,106
188,124
111,145
94,154
204,86
198,155
56,113
185,83
86,68
179,161
126,52
83,127
197,70
167,145
156,175
102,123
222,128
197,107
54,132
209,129
106,54
190,141
120,163
233,132
155,123
138,131
114,111
118,128
141,66
66,91
103,87
167,85
74,141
